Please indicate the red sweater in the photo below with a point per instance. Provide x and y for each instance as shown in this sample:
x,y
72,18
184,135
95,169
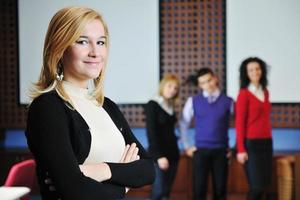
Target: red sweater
x,y
252,118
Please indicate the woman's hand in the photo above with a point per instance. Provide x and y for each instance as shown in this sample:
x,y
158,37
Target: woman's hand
x,y
242,157
190,151
130,154
163,163
99,172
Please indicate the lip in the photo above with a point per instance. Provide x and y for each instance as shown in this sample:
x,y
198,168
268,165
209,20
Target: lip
x,y
92,63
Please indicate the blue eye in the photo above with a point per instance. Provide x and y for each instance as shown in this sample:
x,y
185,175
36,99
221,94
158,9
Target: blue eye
x,y
82,42
101,43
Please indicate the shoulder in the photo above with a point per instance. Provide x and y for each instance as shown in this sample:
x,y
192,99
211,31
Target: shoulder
x,y
267,94
151,106
229,101
48,106
226,97
110,106
189,101
152,103
266,91
195,97
244,92
108,101
47,100
200,94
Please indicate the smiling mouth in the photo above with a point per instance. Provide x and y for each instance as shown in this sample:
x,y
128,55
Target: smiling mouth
x,y
92,63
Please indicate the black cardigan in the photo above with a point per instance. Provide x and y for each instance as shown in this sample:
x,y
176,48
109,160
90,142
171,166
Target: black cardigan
x,y
60,140
161,132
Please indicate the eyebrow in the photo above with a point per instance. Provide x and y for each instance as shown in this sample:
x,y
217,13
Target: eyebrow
x,y
101,37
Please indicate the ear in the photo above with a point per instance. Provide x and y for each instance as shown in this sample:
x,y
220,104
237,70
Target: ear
x,y
217,80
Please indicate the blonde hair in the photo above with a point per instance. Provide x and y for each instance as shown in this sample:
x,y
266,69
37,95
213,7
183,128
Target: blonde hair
x,y
64,29
166,79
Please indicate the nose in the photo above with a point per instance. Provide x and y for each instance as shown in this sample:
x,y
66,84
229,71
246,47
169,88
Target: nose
x,y
94,50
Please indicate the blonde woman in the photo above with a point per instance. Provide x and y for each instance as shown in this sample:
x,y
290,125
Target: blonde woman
x,y
160,125
79,138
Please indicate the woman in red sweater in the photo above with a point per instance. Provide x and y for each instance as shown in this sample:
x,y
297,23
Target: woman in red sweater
x,y
253,127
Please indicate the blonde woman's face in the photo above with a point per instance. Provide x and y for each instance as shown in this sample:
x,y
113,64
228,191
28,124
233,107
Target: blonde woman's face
x,y
85,59
170,90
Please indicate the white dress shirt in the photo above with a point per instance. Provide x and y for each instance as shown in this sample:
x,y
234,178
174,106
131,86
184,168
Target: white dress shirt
x,y
258,92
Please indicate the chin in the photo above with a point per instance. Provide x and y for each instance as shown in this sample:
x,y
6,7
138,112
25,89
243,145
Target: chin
x,y
94,74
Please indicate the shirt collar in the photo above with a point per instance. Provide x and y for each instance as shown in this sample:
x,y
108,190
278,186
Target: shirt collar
x,y
161,101
215,94
252,88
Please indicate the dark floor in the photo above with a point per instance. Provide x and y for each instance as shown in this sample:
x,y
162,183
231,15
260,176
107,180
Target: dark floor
x,y
230,197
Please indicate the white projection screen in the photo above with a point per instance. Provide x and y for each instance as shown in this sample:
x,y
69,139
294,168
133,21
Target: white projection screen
x,y
132,74
269,29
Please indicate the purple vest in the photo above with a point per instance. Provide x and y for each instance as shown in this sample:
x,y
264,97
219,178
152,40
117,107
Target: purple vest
x,y
211,121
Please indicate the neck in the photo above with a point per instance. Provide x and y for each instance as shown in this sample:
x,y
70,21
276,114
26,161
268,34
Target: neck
x,y
80,84
212,91
167,101
256,84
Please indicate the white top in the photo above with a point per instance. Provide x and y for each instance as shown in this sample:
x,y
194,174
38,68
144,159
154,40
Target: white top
x,y
257,91
161,101
107,143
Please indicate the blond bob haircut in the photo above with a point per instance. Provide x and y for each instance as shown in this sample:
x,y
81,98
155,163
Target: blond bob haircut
x,y
166,79
64,29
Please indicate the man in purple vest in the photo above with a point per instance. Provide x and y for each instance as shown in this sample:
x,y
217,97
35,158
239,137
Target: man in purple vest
x,y
211,111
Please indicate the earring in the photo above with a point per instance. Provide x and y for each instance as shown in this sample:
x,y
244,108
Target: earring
x,y
59,77
59,73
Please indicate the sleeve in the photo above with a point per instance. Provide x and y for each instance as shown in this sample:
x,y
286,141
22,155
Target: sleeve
x,y
184,123
242,105
134,174
48,138
152,129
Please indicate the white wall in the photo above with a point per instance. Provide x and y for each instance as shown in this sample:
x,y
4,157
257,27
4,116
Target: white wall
x,y
133,68
269,29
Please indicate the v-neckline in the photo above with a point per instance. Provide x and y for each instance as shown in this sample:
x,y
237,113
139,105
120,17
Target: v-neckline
x,y
258,98
164,109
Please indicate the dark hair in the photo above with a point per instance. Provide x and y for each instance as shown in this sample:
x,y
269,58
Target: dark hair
x,y
244,79
193,78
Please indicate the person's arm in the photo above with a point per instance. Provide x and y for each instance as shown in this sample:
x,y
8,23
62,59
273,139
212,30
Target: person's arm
x,y
241,119
101,171
49,140
184,123
133,174
152,129
242,106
